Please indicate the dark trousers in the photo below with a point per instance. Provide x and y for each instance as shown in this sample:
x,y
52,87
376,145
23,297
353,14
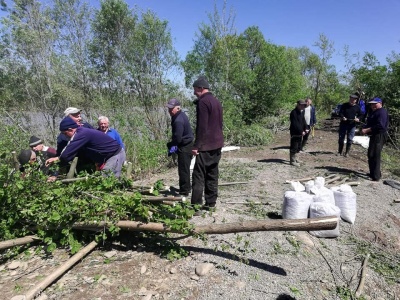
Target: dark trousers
x,y
295,143
375,147
348,129
205,177
184,159
305,137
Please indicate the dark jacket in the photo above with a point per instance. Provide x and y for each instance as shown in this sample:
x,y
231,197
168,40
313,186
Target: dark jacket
x,y
378,121
313,118
63,140
182,133
209,135
350,112
96,145
297,122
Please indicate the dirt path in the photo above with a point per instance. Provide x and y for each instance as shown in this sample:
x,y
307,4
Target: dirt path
x,y
261,265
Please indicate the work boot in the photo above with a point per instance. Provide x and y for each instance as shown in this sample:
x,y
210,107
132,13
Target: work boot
x,y
348,146
340,148
293,160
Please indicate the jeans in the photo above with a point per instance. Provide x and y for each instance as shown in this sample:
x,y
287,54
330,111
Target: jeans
x,y
348,129
205,177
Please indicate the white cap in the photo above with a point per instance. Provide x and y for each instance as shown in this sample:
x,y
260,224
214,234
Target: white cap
x,y
71,110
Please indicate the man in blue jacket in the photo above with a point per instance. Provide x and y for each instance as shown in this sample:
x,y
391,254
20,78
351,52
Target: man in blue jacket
x,y
102,149
181,143
207,146
104,126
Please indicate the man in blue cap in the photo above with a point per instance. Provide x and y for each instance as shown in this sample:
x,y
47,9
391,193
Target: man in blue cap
x,y
102,149
377,127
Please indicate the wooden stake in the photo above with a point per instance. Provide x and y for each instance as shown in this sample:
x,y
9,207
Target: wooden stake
x,y
18,242
72,168
129,170
362,279
31,294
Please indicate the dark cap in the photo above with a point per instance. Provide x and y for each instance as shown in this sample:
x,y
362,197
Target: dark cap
x,y
201,82
301,102
24,156
34,141
375,100
173,102
354,96
67,123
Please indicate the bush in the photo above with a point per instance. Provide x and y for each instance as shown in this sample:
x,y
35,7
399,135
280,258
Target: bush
x,y
253,135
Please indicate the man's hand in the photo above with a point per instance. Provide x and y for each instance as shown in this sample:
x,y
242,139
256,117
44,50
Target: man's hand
x,y
51,161
51,178
365,130
357,119
344,119
195,152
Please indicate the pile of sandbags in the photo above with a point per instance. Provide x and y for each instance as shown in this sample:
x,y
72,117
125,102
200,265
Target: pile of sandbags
x,y
314,200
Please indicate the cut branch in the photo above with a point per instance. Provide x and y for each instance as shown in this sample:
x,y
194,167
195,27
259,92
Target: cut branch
x,y
362,280
18,242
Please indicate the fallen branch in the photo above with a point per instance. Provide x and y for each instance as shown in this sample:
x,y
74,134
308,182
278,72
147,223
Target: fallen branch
x,y
362,279
232,183
323,223
300,179
332,180
18,242
162,198
72,168
69,180
31,294
353,183
129,170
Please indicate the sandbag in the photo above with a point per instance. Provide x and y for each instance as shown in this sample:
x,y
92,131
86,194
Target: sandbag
x,y
324,209
319,182
309,185
297,186
346,200
296,205
323,194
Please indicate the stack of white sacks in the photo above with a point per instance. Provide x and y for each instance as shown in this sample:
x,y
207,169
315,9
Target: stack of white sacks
x,y
314,200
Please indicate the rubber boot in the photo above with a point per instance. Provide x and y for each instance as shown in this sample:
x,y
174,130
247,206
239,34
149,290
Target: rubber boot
x,y
341,145
348,146
293,160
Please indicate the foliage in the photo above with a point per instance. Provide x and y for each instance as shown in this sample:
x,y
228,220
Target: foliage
x,y
252,135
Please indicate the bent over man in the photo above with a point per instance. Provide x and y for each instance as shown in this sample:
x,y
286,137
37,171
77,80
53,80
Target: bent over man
x,y
102,149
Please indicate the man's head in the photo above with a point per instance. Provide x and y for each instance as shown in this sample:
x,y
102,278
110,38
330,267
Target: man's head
x,y
200,86
375,103
308,101
68,126
35,143
74,113
26,156
174,106
103,123
301,104
353,99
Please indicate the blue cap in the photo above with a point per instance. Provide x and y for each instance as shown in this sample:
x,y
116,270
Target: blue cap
x,y
375,100
67,123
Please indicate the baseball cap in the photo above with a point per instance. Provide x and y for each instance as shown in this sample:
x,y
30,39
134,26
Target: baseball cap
x,y
301,102
67,123
375,100
173,102
71,110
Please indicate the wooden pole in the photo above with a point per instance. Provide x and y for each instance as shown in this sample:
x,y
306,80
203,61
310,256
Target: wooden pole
x,y
300,179
232,183
15,159
71,171
323,223
31,294
362,280
129,170
18,242
69,180
332,180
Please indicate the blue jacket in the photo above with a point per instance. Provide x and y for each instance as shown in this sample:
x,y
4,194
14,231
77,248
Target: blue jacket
x,y
115,135
96,146
313,118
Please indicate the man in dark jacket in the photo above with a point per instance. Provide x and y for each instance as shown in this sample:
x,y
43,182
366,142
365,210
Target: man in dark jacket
x,y
311,120
377,126
349,116
181,143
207,146
42,152
102,149
298,128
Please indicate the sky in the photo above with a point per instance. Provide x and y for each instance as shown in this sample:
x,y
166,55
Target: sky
x,y
362,25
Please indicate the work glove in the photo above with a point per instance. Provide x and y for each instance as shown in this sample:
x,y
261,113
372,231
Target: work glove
x,y
172,150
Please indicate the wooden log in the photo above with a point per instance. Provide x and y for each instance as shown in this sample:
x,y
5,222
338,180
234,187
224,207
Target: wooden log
x,y
362,279
162,198
353,183
300,179
69,180
232,183
129,170
31,294
72,168
323,223
332,180
18,242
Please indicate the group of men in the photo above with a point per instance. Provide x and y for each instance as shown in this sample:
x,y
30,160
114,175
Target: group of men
x,y
100,149
206,147
352,113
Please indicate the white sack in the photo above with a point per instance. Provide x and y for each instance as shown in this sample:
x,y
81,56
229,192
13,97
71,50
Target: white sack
x,y
309,185
346,200
324,195
323,209
319,182
296,205
297,186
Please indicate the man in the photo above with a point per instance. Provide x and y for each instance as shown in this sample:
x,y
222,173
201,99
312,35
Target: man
x,y
349,115
26,157
182,143
103,150
84,163
377,127
207,146
298,129
311,120
42,152
103,124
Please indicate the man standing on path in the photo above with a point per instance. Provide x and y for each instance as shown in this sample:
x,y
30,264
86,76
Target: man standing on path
x,y
377,127
349,115
181,143
311,120
207,146
298,128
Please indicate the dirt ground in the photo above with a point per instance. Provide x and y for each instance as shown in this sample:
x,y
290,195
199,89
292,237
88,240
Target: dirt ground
x,y
260,265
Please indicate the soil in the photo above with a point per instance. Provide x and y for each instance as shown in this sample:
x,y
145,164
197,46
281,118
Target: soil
x,y
258,265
